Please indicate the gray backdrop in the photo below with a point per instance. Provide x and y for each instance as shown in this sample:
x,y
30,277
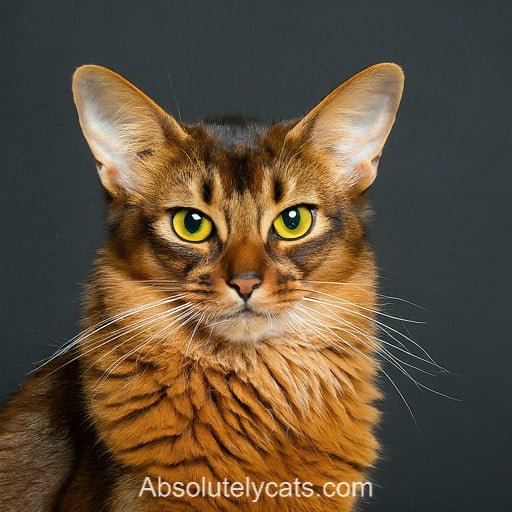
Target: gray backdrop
x,y
442,199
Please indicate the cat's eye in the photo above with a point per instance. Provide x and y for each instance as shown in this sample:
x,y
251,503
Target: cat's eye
x,y
191,225
294,222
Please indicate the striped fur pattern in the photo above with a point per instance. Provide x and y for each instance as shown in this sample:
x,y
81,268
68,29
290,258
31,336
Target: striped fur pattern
x,y
174,375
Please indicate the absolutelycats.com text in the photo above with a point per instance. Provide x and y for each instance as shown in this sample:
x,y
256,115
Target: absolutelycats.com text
x,y
160,488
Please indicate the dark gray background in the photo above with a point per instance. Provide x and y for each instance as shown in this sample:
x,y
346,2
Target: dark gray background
x,y
442,228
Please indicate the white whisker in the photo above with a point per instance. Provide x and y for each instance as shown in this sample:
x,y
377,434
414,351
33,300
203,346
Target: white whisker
x,y
370,310
140,346
86,333
392,359
368,288
305,311
384,326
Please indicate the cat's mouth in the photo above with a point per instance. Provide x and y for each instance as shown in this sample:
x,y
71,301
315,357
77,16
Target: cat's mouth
x,y
243,312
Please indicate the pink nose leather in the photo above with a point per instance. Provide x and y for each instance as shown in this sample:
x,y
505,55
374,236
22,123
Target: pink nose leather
x,y
244,285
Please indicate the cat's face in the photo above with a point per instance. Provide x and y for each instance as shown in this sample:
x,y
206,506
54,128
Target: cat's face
x,y
238,218
240,229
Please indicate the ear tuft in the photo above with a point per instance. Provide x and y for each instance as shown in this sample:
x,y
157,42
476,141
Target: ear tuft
x,y
349,128
119,123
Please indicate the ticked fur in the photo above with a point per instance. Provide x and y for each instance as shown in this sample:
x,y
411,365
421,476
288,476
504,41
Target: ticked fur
x,y
175,375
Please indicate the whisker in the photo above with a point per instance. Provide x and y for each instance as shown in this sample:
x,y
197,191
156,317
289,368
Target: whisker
x,y
384,326
402,348
377,312
86,333
400,299
102,342
192,334
388,356
163,317
369,359
379,341
139,347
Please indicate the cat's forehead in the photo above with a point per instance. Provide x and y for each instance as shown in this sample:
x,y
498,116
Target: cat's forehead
x,y
254,178
242,157
237,156
241,168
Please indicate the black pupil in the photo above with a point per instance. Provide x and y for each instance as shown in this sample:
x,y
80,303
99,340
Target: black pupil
x,y
193,221
291,218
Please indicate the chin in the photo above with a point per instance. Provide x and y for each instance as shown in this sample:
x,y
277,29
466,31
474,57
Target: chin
x,y
248,328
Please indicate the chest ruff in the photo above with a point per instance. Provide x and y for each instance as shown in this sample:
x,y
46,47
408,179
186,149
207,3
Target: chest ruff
x,y
287,413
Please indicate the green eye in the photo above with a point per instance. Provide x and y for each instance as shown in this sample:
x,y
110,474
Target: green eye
x,y
191,225
294,222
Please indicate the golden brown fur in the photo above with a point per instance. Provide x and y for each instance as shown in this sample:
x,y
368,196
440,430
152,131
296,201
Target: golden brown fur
x,y
285,391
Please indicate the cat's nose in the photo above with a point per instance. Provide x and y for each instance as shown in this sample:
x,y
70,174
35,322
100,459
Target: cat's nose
x,y
245,284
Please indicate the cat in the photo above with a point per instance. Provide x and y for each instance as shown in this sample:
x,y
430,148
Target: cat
x,y
229,329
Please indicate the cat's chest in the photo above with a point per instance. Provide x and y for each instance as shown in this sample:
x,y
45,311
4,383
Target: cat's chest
x,y
200,415
266,425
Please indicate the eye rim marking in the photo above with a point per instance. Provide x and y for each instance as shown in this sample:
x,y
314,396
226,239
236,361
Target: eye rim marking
x,y
312,214
179,230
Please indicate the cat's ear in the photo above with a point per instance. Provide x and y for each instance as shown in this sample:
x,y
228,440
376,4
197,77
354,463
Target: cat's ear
x,y
349,127
121,125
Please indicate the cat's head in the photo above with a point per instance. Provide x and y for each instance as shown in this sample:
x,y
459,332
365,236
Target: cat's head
x,y
237,218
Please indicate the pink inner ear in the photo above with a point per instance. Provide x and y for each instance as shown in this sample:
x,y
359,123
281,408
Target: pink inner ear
x,y
119,121
351,125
